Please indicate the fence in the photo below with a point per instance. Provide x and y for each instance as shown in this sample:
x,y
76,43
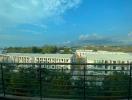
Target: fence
x,y
83,81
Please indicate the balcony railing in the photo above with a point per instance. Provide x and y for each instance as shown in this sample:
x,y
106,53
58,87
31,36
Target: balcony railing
x,y
72,81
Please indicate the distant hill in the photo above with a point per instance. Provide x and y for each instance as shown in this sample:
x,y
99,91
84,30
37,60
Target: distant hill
x,y
100,42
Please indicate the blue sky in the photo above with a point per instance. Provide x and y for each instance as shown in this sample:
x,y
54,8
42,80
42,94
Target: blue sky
x,y
39,22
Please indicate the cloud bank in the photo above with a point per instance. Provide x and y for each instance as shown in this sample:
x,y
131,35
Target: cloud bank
x,y
18,18
96,39
23,11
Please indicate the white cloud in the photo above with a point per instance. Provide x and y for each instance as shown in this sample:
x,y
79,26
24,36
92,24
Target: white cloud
x,y
98,38
24,11
90,37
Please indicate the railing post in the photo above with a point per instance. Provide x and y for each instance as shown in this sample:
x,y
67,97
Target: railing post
x,y
40,81
84,98
130,83
2,79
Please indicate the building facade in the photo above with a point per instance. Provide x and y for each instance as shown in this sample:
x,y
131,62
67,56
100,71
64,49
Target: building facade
x,y
39,58
105,57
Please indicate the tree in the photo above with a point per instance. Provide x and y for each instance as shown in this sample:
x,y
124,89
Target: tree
x,y
36,50
49,49
61,84
67,51
24,82
116,84
79,90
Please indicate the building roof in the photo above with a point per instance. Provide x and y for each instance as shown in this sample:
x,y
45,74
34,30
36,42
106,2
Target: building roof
x,y
110,56
99,51
41,55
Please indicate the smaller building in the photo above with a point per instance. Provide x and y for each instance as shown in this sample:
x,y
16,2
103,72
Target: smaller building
x,y
115,58
103,57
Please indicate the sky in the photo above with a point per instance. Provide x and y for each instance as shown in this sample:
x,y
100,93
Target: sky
x,y
40,22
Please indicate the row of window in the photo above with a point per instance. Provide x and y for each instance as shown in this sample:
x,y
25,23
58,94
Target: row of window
x,y
110,61
53,60
56,67
114,67
27,59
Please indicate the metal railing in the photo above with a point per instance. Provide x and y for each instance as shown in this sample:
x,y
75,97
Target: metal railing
x,y
83,81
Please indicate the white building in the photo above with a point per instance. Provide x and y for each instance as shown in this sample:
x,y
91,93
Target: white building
x,y
82,53
105,57
97,58
115,58
39,58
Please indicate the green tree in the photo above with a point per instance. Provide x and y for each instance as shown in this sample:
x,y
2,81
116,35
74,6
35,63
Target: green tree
x,y
36,50
49,49
116,84
67,51
56,83
79,90
24,82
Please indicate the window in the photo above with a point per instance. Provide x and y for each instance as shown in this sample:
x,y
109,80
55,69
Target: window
x,y
99,66
106,61
106,67
122,68
53,66
106,72
123,62
45,59
114,67
114,62
110,61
